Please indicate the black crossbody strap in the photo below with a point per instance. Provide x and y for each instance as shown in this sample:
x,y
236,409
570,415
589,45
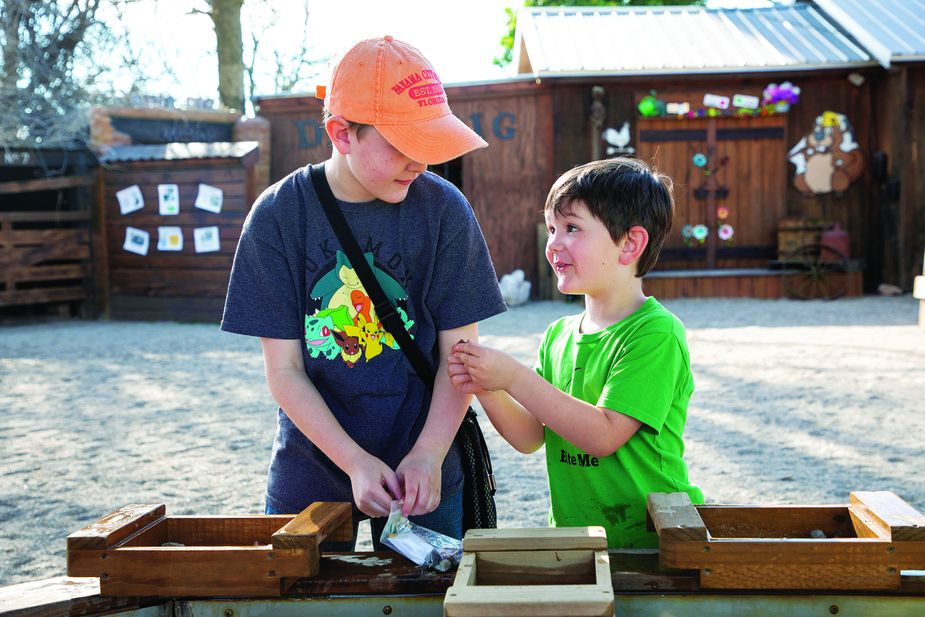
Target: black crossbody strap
x,y
385,310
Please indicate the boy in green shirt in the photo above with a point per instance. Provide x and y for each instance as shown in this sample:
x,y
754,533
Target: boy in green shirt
x,y
609,394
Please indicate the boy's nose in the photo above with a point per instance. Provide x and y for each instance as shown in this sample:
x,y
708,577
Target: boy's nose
x,y
417,167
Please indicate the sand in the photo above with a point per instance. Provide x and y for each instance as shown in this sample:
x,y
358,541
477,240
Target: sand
x,y
795,402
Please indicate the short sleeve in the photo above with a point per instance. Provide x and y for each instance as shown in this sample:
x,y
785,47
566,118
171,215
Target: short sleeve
x,y
464,288
263,291
644,380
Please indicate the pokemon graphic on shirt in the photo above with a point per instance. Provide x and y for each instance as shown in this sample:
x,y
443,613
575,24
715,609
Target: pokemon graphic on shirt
x,y
343,323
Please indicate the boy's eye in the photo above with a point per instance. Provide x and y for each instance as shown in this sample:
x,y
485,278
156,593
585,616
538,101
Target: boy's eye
x,y
571,228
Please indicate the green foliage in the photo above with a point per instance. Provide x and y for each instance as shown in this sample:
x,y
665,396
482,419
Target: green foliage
x,y
507,41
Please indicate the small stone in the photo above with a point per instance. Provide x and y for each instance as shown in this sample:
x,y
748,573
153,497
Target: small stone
x,y
817,534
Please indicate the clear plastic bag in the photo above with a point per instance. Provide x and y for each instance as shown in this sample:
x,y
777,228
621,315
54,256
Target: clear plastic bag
x,y
421,545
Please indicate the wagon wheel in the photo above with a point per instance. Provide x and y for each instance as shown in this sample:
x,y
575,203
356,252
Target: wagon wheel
x,y
815,271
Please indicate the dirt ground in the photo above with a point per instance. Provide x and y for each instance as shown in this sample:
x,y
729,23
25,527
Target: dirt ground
x,y
795,402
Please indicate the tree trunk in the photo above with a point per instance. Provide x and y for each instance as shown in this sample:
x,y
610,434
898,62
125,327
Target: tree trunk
x,y
226,17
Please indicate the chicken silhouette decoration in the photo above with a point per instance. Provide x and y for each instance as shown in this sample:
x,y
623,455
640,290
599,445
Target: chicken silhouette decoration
x,y
617,140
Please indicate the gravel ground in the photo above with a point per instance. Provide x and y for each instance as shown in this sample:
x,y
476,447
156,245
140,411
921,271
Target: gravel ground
x,y
795,402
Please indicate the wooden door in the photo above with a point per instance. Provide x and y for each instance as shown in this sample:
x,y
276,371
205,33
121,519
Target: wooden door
x,y
746,173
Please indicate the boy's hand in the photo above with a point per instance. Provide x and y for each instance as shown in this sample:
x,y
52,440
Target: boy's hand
x,y
484,368
374,486
421,478
459,375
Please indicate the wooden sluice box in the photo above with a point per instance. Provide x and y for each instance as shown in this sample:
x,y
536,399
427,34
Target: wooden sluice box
x,y
861,546
555,572
140,551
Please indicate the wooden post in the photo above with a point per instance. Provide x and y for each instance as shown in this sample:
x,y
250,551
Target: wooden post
x,y
598,113
711,193
918,292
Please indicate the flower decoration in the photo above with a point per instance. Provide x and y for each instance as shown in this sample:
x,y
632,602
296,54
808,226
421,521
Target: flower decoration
x,y
722,213
700,232
700,159
725,232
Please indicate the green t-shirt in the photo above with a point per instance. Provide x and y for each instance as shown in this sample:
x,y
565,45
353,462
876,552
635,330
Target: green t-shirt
x,y
639,367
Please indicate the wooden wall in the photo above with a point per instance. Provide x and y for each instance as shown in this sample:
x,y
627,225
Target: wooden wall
x,y
899,196
552,132
177,285
506,183
761,163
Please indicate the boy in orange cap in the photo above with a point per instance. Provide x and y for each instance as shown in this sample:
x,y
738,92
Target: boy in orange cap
x,y
355,422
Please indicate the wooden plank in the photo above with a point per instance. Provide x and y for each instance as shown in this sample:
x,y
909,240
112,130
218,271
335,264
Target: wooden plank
x,y
53,273
240,530
549,567
675,518
195,571
319,521
63,596
889,512
46,184
532,539
44,216
41,296
815,577
533,600
836,551
22,238
115,526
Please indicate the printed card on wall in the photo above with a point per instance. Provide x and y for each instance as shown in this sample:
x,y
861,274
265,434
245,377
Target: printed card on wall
x,y
169,198
209,198
130,199
136,241
206,239
169,239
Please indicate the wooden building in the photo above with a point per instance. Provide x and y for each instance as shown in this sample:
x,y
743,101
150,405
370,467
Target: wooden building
x,y
45,230
169,221
584,72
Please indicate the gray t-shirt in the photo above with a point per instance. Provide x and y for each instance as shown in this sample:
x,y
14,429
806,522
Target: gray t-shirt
x,y
291,280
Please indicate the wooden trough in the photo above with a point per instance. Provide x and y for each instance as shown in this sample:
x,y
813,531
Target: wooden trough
x,y
559,572
861,546
140,551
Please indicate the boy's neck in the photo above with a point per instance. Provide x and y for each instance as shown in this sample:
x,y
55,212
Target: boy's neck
x,y
602,311
343,183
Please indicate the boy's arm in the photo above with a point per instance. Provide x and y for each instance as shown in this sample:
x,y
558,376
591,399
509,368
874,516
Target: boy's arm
x,y
374,484
518,426
596,430
420,470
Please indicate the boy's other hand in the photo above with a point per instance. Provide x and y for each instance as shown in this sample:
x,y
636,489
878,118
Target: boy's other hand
x,y
486,368
374,485
421,479
459,375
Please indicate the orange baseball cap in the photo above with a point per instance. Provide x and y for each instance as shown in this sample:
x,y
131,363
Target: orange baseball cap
x,y
391,85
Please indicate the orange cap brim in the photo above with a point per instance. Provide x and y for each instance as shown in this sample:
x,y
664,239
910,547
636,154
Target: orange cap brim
x,y
433,141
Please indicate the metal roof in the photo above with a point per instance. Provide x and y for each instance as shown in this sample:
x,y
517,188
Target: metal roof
x,y
179,151
679,39
893,30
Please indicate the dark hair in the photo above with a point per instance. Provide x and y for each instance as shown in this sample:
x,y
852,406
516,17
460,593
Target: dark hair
x,y
360,127
621,193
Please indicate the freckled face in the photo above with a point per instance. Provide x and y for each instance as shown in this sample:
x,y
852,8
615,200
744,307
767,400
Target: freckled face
x,y
581,252
382,171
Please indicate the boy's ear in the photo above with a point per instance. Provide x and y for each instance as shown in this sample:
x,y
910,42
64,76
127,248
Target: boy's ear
x,y
634,243
338,130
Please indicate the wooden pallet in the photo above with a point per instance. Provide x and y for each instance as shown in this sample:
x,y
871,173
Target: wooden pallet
x,y
140,551
559,572
865,545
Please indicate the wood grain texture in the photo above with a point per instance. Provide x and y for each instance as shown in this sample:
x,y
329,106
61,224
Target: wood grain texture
x,y
675,518
533,539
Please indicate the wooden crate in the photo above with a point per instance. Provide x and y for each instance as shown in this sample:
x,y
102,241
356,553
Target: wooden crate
x,y
792,233
865,544
537,572
140,551
45,255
